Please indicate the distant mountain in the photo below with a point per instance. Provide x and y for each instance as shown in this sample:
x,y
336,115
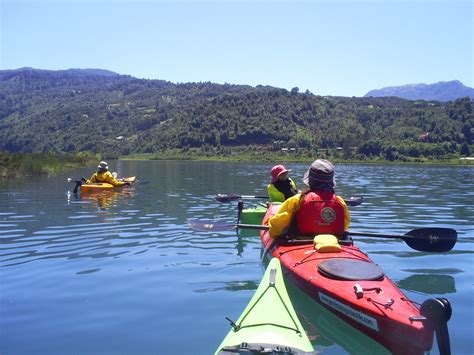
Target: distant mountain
x,y
442,91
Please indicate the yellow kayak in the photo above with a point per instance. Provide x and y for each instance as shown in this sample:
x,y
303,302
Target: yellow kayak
x,y
103,186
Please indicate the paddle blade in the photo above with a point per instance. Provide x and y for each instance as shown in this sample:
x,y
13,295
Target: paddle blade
x,y
226,198
354,200
78,183
435,240
207,226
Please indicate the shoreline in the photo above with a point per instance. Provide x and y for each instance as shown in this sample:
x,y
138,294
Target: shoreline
x,y
246,157
14,165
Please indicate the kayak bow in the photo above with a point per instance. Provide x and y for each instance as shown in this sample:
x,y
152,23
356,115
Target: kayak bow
x,y
269,323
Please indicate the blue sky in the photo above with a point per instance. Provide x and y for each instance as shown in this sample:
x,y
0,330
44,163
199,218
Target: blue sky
x,y
339,47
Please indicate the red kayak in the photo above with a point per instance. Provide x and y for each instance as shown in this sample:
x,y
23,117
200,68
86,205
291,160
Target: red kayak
x,y
353,287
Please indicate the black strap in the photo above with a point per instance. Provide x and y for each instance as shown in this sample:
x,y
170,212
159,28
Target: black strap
x,y
285,188
245,348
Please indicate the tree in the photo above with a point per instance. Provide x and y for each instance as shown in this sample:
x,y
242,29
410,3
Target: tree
x,y
465,150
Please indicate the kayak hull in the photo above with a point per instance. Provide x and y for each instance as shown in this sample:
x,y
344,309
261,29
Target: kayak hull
x,y
269,320
355,289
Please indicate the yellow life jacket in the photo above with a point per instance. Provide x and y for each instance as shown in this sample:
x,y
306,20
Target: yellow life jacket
x,y
105,176
275,195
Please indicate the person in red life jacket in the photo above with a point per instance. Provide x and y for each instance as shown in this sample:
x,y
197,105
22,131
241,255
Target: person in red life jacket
x,y
282,186
316,210
103,175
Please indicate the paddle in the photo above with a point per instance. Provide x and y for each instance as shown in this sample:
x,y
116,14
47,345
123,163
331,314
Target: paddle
x,y
78,183
206,226
350,201
434,240
233,197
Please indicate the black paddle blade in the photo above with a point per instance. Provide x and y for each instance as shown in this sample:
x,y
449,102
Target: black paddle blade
x,y
354,200
78,183
226,198
435,240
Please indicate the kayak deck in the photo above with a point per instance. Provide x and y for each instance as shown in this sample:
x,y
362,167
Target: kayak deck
x,y
269,322
253,215
354,288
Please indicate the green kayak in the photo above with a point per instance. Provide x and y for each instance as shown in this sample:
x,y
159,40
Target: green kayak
x,y
252,215
269,323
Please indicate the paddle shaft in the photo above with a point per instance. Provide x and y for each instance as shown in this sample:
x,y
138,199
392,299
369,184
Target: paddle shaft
x,y
421,239
251,226
350,201
381,235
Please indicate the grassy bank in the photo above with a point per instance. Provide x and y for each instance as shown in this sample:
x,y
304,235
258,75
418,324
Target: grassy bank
x,y
28,164
263,154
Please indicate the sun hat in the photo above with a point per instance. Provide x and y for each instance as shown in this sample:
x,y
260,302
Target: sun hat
x,y
103,165
320,171
277,170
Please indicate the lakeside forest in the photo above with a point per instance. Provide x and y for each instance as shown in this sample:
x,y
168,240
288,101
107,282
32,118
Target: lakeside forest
x,y
101,113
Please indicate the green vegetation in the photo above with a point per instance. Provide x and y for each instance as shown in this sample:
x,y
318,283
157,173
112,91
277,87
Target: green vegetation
x,y
19,164
114,116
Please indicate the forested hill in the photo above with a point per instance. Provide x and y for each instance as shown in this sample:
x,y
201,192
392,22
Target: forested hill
x,y
94,111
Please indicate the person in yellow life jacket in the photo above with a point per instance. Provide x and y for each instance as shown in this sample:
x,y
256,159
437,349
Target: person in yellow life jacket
x,y
316,210
281,187
104,175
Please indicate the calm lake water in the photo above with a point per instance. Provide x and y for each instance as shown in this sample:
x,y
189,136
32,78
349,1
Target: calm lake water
x,y
122,273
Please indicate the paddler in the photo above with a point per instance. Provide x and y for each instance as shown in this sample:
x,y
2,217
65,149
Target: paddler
x,y
316,210
104,175
281,186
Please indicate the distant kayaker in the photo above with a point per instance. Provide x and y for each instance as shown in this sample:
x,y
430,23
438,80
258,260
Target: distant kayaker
x,y
316,210
282,186
104,175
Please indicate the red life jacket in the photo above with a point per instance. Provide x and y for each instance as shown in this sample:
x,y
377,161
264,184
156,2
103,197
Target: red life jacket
x,y
320,213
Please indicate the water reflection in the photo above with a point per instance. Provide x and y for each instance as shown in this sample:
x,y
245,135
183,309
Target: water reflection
x,y
430,281
429,284
101,200
327,332
231,286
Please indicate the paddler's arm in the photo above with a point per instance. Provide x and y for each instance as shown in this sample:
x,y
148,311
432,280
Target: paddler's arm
x,y
109,178
279,223
293,186
92,179
347,215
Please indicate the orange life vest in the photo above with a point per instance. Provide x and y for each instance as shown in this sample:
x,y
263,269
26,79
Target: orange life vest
x,y
320,213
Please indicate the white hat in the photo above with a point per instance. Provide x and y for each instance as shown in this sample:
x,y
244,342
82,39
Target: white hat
x,y
103,165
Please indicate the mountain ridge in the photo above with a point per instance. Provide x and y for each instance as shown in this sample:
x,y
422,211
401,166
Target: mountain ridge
x,y
79,71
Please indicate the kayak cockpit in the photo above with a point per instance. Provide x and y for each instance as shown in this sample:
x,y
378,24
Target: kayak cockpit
x,y
350,269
